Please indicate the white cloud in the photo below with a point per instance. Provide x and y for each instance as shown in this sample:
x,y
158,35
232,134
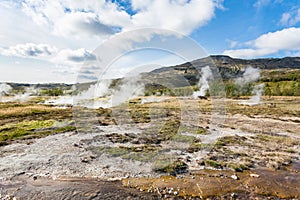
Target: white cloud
x,y
74,17
49,53
284,40
29,50
290,18
68,56
178,15
81,24
63,32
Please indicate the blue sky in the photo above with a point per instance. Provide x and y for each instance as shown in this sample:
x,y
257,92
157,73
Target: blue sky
x,y
54,40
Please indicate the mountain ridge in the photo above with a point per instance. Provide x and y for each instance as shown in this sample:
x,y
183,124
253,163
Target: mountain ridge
x,y
229,62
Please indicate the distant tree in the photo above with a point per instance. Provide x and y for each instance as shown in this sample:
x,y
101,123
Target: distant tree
x,y
295,88
232,90
278,90
53,92
267,90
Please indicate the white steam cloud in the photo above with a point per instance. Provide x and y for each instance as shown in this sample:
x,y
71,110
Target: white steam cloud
x,y
251,75
130,88
101,95
206,75
87,98
255,100
4,89
23,97
20,97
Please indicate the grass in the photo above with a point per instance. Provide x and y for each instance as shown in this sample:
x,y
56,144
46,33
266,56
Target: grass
x,y
12,112
238,167
31,120
195,147
273,106
229,140
183,138
12,131
33,128
166,165
193,129
213,164
287,141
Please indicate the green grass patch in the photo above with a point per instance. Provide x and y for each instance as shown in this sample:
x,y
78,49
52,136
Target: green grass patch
x,y
12,131
213,164
238,167
33,128
183,138
167,165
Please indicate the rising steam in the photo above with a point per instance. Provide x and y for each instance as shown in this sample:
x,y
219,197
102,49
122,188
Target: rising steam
x,y
257,92
4,89
102,95
206,75
251,75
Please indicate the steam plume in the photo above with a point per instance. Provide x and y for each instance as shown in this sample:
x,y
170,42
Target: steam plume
x,y
101,95
255,100
206,75
251,75
4,89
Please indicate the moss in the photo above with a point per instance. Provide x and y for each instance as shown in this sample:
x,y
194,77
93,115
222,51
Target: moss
x,y
113,151
238,167
193,130
33,129
183,138
202,131
290,150
155,136
213,164
141,156
227,140
195,147
166,165
12,131
119,138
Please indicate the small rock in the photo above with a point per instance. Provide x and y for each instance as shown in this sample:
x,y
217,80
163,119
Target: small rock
x,y
235,177
233,195
179,177
85,160
254,175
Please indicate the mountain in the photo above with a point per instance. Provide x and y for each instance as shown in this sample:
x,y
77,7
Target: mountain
x,y
186,74
235,63
230,68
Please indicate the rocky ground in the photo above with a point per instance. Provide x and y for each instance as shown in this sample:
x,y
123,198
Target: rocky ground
x,y
172,149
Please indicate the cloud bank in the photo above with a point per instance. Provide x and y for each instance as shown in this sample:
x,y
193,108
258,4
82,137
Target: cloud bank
x,y
273,42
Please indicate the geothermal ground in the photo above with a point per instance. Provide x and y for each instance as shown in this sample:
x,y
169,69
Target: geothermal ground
x,y
152,148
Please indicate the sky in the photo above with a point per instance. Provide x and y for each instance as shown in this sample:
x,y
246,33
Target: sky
x,y
83,40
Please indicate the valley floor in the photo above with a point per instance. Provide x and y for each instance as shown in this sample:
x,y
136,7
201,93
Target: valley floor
x,y
171,149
